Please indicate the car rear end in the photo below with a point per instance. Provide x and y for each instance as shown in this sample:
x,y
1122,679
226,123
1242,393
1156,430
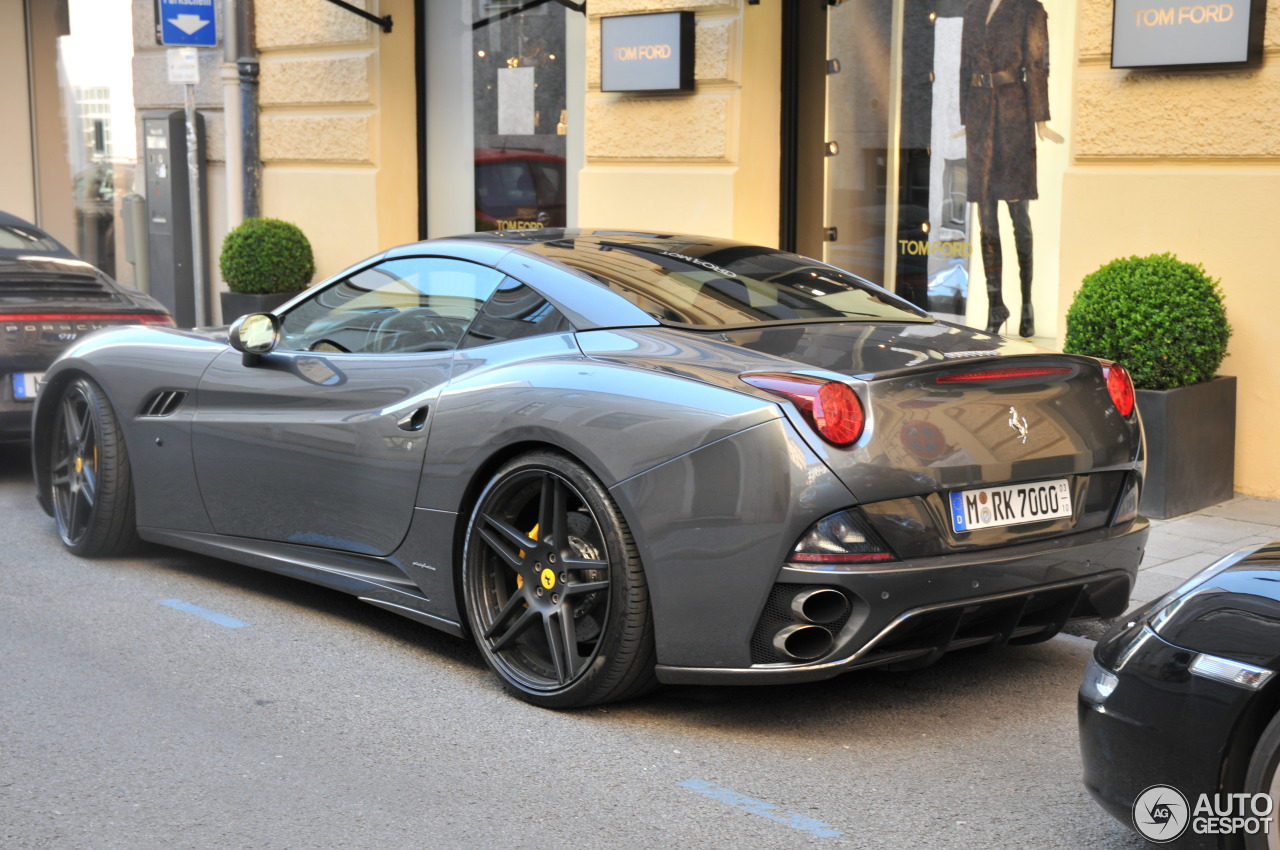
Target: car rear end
x,y
979,499
986,490
47,303
991,503
995,501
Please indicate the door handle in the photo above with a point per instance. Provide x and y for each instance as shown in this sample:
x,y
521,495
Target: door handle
x,y
414,421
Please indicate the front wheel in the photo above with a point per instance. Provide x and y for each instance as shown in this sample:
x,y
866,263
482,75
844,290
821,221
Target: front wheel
x,y
554,589
1263,777
89,476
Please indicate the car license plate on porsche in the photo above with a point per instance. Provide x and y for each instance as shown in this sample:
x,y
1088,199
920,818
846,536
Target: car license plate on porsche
x,y
26,385
990,507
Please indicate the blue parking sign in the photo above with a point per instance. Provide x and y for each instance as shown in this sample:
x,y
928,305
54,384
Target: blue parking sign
x,y
188,22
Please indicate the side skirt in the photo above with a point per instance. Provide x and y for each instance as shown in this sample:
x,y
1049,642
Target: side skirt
x,y
363,577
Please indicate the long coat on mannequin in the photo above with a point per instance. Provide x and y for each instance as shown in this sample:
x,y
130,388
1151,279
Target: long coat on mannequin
x,y
1004,92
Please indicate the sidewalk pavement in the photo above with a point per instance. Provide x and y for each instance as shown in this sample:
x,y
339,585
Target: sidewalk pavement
x,y
1181,546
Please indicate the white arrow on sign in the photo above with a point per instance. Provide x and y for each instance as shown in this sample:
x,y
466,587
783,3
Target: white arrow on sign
x,y
190,24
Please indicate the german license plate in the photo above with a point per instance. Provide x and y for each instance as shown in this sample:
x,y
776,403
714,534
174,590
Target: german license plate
x,y
26,385
990,507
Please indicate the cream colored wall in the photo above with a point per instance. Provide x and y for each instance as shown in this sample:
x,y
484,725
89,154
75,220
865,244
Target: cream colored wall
x,y
56,206
338,135
17,189
703,162
1186,163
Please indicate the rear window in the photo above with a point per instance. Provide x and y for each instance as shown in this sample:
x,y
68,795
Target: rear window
x,y
732,285
15,238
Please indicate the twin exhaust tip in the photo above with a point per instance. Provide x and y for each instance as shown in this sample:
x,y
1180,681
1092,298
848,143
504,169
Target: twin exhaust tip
x,y
815,608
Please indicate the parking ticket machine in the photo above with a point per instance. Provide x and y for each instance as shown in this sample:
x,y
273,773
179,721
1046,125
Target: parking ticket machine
x,y
170,249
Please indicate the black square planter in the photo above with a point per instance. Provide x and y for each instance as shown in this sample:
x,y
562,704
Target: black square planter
x,y
237,304
1191,447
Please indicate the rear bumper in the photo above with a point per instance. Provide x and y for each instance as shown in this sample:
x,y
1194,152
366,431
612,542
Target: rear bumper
x,y
918,610
15,421
15,413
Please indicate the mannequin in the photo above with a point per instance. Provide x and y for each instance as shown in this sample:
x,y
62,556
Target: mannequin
x,y
1004,106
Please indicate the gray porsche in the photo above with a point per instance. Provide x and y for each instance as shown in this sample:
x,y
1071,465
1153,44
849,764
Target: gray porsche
x,y
616,459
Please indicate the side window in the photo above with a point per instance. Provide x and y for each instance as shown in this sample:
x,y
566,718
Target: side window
x,y
515,310
403,305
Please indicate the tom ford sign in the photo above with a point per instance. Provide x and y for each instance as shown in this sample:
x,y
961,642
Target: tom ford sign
x,y
647,52
1182,33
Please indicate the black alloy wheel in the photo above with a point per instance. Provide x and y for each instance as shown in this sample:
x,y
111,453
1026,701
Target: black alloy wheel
x,y
1263,777
92,488
554,590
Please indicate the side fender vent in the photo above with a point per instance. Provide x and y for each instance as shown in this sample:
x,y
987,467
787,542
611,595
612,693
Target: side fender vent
x,y
164,403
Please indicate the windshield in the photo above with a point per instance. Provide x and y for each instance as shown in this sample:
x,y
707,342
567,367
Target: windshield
x,y
717,284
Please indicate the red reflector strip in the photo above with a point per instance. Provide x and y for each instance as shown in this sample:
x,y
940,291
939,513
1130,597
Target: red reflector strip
x,y
1006,374
841,558
117,318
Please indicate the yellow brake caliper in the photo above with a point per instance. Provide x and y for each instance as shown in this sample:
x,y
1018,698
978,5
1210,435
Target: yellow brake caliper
x,y
533,534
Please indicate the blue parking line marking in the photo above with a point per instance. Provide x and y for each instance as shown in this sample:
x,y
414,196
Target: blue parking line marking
x,y
764,809
211,616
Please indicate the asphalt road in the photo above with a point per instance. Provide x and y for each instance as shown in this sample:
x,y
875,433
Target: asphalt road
x,y
129,719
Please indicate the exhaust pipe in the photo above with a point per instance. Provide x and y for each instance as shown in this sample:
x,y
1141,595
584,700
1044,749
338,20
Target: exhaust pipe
x,y
819,605
803,642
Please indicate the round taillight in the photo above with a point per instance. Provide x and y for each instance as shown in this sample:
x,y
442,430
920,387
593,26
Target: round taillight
x,y
1120,386
831,407
837,414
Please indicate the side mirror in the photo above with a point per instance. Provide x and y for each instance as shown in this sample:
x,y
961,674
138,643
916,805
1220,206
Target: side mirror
x,y
254,335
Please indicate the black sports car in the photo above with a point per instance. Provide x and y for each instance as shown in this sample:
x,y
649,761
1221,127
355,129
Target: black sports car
x,y
1180,710
48,299
617,458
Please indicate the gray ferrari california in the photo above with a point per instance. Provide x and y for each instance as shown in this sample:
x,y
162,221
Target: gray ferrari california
x,y
616,459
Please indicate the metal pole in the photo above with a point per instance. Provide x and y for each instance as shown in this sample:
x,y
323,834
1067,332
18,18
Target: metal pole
x,y
197,225
230,77
252,169
247,65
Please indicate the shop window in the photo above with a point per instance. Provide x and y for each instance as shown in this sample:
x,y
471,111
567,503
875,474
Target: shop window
x,y
96,75
934,105
500,135
520,104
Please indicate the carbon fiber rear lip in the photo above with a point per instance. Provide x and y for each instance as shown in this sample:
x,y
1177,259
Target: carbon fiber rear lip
x,y
865,656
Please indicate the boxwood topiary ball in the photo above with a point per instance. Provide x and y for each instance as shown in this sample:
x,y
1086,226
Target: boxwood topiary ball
x,y
1162,319
264,255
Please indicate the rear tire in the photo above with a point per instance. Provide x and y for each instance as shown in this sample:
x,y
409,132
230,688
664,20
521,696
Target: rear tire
x,y
553,587
91,486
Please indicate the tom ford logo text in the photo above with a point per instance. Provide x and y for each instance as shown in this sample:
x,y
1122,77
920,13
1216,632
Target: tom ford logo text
x,y
1173,16
642,51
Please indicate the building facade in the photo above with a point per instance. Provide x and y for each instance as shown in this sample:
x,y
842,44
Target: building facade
x,y
881,136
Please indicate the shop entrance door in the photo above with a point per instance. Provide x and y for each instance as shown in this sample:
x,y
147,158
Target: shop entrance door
x,y
894,181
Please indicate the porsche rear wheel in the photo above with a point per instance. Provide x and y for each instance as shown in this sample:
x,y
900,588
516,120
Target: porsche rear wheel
x,y
554,590
92,489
